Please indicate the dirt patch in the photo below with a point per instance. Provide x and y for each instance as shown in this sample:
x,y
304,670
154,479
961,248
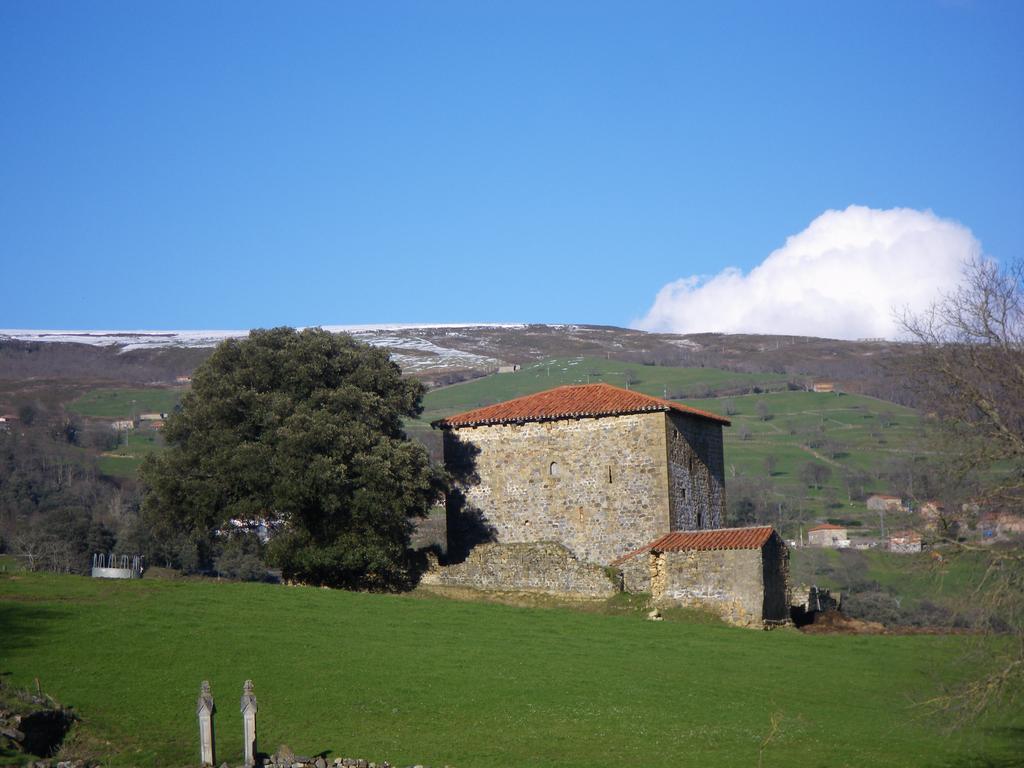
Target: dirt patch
x,y
834,622
837,623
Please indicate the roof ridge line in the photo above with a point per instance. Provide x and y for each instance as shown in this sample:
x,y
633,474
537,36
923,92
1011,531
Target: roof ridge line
x,y
587,403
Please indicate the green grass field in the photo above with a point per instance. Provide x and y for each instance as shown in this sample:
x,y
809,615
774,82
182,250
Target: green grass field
x,y
125,460
414,679
125,403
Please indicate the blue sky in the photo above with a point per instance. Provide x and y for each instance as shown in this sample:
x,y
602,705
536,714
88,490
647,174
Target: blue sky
x,y
238,164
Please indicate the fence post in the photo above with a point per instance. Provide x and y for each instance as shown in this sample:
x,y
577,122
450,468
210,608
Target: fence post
x,y
249,722
205,710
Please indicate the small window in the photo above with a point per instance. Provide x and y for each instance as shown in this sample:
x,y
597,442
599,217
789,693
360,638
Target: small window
x,y
609,474
682,491
691,463
700,519
553,469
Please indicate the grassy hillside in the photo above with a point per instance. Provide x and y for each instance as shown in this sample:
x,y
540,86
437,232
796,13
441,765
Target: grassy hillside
x,y
126,403
902,590
659,381
652,380
124,461
441,682
850,434
911,577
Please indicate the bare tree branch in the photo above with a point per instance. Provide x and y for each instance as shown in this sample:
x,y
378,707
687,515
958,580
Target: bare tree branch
x,y
968,369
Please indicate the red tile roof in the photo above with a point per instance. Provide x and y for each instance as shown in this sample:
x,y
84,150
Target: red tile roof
x,y
721,538
827,527
571,402
909,535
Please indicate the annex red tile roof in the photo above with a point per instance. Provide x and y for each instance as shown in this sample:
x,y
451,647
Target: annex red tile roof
x,y
571,402
827,527
721,538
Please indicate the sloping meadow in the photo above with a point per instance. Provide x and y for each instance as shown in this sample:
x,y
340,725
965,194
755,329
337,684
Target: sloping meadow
x,y
427,680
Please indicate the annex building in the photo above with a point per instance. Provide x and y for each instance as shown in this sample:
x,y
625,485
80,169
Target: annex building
x,y
742,573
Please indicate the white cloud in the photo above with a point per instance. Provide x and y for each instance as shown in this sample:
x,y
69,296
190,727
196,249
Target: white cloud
x,y
842,277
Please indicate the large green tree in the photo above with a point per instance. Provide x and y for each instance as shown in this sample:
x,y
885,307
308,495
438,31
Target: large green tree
x,y
303,428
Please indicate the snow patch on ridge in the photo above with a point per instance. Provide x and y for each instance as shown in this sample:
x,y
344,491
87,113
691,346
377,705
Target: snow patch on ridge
x,y
408,349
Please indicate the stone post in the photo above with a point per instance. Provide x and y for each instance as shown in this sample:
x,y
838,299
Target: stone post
x,y
204,711
249,722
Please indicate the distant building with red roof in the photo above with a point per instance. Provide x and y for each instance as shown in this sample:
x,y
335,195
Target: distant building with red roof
x,y
905,542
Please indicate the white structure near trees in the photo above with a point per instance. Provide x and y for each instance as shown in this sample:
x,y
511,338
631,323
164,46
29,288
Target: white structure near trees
x,y
828,535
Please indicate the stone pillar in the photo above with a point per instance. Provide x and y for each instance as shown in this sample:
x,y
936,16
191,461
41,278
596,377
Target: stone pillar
x,y
204,711
249,722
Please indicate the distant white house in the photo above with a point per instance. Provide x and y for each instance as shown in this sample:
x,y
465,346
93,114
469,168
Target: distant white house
x,y
261,526
152,416
828,535
508,368
864,544
122,425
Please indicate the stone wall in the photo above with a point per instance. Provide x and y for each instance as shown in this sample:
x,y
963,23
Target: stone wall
x,y
696,472
775,577
597,485
636,573
544,567
285,758
728,582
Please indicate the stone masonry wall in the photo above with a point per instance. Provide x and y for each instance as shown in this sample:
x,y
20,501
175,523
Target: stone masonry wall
x,y
285,758
728,582
636,573
696,472
597,485
775,575
535,567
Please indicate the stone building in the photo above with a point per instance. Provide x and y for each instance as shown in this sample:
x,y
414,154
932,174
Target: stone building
x,y
883,502
598,469
828,535
739,573
905,542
